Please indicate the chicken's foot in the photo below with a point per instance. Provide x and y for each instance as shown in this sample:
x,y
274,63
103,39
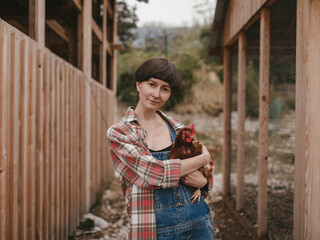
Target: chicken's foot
x,y
196,196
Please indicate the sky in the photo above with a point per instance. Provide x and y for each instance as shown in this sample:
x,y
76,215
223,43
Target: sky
x,y
171,13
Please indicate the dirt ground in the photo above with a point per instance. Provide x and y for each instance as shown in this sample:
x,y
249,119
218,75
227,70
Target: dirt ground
x,y
111,209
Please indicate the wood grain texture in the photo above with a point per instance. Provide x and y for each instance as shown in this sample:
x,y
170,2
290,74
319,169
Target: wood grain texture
x,y
264,70
312,177
226,154
242,69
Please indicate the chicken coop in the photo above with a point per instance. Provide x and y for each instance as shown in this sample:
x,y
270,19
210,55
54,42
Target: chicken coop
x,y
270,53
58,64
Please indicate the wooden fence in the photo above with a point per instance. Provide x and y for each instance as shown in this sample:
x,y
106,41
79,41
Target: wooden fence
x,y
53,121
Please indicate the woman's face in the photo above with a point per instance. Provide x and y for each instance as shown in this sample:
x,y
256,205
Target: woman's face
x,y
153,93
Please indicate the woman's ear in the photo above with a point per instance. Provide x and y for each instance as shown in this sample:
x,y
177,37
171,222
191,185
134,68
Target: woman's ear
x,y
138,86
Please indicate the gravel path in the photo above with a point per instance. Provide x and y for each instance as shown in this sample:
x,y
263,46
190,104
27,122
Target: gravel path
x,y
110,219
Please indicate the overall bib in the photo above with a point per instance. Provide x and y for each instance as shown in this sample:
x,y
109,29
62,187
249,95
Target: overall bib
x,y
176,216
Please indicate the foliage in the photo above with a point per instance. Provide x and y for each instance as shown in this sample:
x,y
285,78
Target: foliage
x,y
127,21
252,89
185,47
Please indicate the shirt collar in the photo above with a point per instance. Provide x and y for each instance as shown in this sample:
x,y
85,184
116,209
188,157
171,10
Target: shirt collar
x,y
132,117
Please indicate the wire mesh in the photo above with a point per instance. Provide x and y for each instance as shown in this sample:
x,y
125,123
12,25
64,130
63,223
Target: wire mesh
x,y
234,115
252,123
281,119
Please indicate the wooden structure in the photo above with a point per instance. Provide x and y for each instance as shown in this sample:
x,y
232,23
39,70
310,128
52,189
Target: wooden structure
x,y
57,97
232,20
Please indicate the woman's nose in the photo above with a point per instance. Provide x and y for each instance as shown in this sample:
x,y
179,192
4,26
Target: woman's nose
x,y
156,92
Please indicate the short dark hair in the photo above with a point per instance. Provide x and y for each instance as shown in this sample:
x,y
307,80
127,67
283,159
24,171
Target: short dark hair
x,y
159,68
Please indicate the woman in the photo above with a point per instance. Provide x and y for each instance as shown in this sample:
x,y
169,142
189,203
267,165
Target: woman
x,y
158,204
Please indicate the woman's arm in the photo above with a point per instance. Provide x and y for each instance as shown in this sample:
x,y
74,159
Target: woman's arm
x,y
190,165
133,161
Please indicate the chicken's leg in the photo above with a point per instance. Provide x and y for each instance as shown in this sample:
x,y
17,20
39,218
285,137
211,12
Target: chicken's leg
x,y
196,196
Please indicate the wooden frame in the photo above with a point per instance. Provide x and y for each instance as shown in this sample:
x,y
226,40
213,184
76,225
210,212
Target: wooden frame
x,y
226,153
242,69
307,196
37,20
263,120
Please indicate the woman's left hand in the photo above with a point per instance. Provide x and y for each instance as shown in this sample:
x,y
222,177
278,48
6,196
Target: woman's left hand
x,y
194,179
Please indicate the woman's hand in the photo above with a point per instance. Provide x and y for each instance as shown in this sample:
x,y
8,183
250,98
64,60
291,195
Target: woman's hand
x,y
206,154
194,179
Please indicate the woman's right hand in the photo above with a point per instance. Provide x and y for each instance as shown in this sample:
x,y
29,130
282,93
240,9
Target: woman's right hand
x,y
206,155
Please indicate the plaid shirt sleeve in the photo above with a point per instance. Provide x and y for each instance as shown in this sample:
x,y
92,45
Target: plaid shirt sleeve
x,y
134,162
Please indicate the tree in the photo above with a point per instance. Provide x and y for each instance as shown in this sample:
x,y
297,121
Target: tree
x,y
127,21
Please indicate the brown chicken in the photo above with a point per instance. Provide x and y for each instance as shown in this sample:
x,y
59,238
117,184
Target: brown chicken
x,y
185,146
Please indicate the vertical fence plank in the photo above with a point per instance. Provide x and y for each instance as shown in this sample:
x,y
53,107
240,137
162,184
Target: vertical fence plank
x,y
66,145
62,150
39,145
226,157
14,139
57,161
93,142
98,138
4,121
241,120
52,126
24,139
46,143
263,120
78,202
31,189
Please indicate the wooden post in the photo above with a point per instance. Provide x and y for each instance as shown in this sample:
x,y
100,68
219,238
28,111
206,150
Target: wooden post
x,y
300,134
263,120
114,52
87,69
308,88
4,121
241,120
37,21
103,63
226,157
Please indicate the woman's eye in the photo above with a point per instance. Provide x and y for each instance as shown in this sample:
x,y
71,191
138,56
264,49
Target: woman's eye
x,y
152,84
166,89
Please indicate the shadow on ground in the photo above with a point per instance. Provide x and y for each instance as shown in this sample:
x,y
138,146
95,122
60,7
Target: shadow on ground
x,y
111,221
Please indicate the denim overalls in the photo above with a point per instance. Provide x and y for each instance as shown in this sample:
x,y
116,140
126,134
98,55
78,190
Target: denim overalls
x,y
176,216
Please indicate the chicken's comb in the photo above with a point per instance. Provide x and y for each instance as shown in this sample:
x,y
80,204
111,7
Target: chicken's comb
x,y
192,129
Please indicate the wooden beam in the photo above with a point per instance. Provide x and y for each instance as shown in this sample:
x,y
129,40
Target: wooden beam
x,y
17,25
87,70
109,9
87,37
226,154
96,29
58,29
115,46
300,133
37,20
114,57
109,49
103,57
77,4
263,121
242,68
312,151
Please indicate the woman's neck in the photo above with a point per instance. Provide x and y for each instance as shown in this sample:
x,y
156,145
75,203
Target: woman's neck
x,y
145,115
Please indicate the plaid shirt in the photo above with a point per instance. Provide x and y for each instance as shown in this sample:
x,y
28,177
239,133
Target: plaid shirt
x,y
140,173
